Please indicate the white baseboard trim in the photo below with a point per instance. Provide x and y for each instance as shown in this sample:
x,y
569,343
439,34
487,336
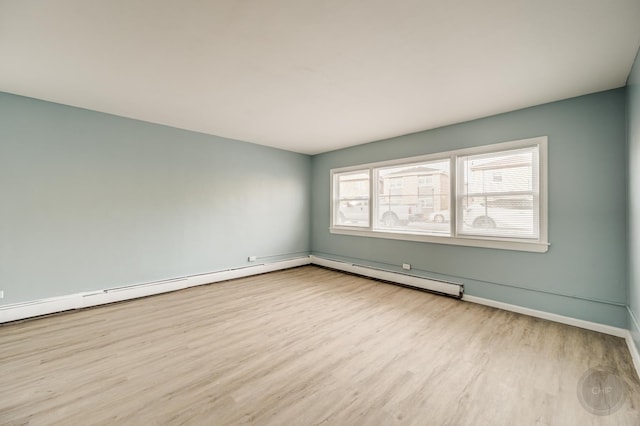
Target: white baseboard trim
x,y
594,326
634,327
18,311
633,350
451,289
588,325
396,277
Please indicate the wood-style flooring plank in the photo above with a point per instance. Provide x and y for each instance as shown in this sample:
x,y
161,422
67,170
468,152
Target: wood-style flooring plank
x,y
303,346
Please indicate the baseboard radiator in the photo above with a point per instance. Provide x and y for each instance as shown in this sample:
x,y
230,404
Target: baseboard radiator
x,y
35,308
445,288
29,309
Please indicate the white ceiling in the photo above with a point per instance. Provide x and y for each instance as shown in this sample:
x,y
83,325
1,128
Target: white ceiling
x,y
313,76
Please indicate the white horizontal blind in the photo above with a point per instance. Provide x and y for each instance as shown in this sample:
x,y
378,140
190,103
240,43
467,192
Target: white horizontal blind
x,y
499,194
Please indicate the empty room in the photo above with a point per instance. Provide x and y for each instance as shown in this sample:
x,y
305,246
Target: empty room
x,y
290,212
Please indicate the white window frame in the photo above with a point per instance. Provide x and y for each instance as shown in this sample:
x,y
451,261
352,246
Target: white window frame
x,y
335,197
540,245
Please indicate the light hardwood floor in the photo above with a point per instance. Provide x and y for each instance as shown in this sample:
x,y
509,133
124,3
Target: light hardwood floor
x,y
303,346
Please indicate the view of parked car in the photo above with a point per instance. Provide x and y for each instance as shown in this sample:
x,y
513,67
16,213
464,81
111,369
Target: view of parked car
x,y
356,212
440,216
501,213
508,213
398,214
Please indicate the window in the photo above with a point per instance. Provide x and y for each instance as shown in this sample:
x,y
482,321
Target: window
x,y
351,205
500,208
490,196
405,208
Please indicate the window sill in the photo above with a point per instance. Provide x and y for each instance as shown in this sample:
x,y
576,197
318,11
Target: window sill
x,y
469,241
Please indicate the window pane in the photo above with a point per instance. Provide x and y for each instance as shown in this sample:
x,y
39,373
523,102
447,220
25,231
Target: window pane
x,y
352,199
499,194
414,198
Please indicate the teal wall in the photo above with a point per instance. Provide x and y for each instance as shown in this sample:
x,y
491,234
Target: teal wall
x,y
633,138
583,275
92,201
